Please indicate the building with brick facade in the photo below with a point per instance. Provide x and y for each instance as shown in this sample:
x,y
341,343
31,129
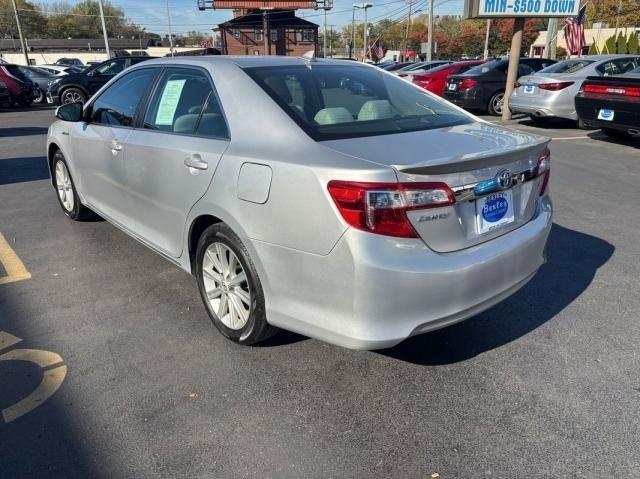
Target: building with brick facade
x,y
285,34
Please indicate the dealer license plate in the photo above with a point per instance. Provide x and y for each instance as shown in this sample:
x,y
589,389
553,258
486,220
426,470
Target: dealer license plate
x,y
452,86
529,88
494,210
606,115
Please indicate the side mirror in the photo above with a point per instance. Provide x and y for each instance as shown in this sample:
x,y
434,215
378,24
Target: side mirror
x,y
70,112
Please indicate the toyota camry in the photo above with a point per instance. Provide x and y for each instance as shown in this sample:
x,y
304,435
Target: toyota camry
x,y
324,197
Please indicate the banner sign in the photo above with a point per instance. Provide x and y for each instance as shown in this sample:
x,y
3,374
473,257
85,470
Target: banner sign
x,y
520,8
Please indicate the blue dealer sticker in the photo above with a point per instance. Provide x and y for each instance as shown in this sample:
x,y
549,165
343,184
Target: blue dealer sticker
x,y
495,209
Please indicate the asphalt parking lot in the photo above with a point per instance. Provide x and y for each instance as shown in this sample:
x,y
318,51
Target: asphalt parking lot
x,y
132,380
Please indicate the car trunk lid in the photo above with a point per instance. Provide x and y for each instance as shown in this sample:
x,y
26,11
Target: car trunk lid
x,y
470,159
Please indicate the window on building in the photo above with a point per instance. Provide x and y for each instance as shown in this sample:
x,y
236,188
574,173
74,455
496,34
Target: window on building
x,y
236,33
305,35
273,34
257,34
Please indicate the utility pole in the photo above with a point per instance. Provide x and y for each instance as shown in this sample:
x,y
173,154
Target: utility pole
x,y
550,42
406,32
331,41
617,20
514,61
104,29
364,45
486,39
22,42
324,37
430,32
169,23
352,48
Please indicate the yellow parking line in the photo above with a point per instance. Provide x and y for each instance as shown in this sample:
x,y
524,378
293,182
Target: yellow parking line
x,y
12,265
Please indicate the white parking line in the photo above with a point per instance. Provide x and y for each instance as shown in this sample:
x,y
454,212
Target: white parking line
x,y
570,137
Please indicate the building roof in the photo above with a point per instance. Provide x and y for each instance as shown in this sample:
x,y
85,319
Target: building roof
x,y
75,43
276,20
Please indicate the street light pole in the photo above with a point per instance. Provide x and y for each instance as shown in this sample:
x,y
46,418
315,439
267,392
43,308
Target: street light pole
x,y
170,33
352,49
486,40
22,42
363,6
430,32
364,40
104,30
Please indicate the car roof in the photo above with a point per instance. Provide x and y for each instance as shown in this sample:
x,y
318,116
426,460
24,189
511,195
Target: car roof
x,y
248,61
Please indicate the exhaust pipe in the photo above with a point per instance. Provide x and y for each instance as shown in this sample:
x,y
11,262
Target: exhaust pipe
x,y
633,131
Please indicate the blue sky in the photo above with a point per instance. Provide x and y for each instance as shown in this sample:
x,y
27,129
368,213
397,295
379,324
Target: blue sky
x,y
185,16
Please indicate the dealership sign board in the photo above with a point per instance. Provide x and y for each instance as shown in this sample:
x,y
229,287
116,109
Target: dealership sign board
x,y
520,8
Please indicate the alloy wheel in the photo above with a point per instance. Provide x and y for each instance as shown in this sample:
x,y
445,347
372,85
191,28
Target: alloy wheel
x,y
64,186
226,286
498,103
71,97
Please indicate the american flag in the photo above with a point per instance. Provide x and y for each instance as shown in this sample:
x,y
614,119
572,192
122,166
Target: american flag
x,y
574,32
376,51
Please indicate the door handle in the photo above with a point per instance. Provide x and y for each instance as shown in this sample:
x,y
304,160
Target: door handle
x,y
196,162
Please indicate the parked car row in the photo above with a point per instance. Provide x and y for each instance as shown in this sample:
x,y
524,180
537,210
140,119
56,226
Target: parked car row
x,y
60,83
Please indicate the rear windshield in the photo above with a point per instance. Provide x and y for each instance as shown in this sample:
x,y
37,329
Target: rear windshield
x,y
15,71
343,101
567,66
485,67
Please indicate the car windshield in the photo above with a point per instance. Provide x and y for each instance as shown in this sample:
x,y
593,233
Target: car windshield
x,y
567,66
334,101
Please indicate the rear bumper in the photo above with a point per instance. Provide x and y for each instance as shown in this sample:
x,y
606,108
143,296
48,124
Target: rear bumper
x,y
470,99
556,106
373,291
626,113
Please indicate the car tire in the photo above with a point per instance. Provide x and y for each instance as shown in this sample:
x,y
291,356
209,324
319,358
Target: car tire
x,y
40,98
496,104
72,95
616,134
66,190
230,287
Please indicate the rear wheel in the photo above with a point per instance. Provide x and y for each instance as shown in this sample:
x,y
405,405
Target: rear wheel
x,y
230,287
616,134
66,191
39,97
72,95
496,104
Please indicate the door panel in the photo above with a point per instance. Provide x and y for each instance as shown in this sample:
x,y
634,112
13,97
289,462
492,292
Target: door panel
x,y
172,159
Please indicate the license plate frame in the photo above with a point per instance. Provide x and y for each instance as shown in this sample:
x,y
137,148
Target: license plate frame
x,y
494,211
606,114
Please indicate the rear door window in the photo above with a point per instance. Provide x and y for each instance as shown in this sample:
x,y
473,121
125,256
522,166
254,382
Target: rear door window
x,y
118,104
618,66
185,102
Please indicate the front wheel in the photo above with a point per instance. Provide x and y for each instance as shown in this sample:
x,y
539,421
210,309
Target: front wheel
x,y
72,95
40,97
66,190
230,287
496,104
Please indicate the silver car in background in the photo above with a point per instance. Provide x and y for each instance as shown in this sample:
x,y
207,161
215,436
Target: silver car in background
x,y
324,197
550,92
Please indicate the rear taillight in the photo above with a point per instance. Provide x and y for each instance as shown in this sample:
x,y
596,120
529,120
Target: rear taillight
x,y
622,90
517,84
556,86
382,207
543,168
467,83
422,80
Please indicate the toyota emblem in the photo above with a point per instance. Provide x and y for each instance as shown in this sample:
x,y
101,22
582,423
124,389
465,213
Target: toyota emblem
x,y
504,179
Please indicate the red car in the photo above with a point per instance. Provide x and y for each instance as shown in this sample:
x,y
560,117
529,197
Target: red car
x,y
19,85
434,80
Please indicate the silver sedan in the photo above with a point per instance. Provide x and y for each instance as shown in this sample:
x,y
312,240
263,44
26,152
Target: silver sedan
x,y
324,197
550,93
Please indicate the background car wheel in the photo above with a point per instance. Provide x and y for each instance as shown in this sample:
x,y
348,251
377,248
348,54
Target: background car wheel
x,y
496,104
616,134
230,287
66,191
39,98
72,95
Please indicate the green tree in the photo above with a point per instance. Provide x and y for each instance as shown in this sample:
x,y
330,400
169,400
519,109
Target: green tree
x,y
32,21
610,45
633,44
621,43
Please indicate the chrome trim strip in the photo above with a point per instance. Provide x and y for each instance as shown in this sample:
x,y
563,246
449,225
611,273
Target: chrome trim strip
x,y
467,192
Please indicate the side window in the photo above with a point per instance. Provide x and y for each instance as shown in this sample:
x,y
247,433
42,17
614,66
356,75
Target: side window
x,y
616,67
118,104
112,68
463,69
178,102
